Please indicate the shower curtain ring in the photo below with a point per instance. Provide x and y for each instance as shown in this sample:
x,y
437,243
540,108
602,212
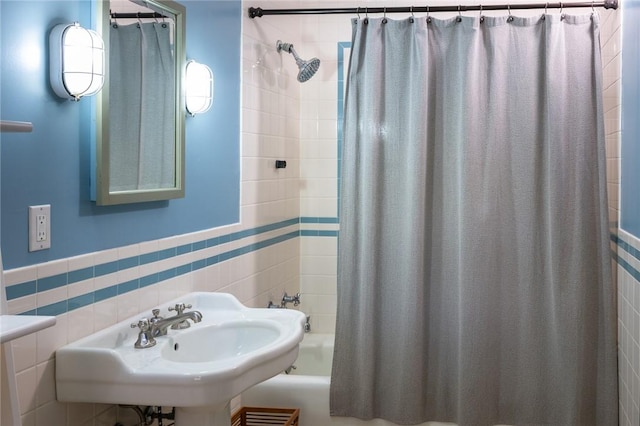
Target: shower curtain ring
x,y
428,17
510,18
412,17
561,14
481,17
358,12
459,18
114,21
366,15
384,15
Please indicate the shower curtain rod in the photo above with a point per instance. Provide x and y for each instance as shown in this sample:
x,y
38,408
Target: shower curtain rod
x,y
137,15
258,12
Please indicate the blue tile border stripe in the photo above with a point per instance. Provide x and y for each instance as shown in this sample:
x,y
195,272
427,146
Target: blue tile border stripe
x,y
627,267
626,246
44,284
35,286
80,275
81,301
54,281
105,293
629,249
21,290
319,220
313,233
48,283
53,309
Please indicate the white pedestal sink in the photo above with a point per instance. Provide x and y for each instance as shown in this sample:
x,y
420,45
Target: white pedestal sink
x,y
197,370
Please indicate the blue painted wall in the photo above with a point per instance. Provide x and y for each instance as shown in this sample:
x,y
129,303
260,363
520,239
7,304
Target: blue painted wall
x,y
630,149
52,164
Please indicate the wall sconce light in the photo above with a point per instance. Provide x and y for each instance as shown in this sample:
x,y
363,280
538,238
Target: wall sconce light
x,y
76,65
198,88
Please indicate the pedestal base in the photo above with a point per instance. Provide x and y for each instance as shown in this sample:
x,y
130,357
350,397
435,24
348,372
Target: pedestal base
x,y
204,416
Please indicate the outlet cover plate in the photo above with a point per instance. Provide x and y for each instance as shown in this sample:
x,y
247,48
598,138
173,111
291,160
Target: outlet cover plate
x,y
39,227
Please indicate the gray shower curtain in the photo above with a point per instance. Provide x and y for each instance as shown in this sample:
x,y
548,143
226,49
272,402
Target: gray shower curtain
x,y
474,279
141,107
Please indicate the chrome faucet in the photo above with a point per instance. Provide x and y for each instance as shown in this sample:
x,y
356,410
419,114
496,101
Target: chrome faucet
x,y
179,308
159,327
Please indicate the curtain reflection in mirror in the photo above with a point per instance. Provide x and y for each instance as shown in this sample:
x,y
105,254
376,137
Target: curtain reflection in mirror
x,y
142,107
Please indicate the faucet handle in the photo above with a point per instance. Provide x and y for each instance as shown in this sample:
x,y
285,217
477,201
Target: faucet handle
x,y
145,340
180,307
143,325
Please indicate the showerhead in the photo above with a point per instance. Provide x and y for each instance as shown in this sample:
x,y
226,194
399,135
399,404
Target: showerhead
x,y
306,68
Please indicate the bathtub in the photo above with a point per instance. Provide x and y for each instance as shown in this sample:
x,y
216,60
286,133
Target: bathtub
x,y
307,387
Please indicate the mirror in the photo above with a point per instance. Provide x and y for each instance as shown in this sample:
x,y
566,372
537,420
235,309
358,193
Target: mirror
x,y
140,110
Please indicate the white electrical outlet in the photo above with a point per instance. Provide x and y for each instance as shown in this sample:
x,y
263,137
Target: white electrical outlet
x,y
39,227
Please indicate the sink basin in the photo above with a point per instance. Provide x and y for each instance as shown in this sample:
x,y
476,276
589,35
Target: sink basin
x,y
220,342
206,365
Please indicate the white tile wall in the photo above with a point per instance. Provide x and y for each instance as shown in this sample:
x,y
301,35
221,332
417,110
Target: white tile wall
x,y
320,35
629,335
318,265
271,119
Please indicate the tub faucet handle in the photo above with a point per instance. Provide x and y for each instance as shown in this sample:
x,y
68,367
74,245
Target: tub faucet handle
x,y
290,299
